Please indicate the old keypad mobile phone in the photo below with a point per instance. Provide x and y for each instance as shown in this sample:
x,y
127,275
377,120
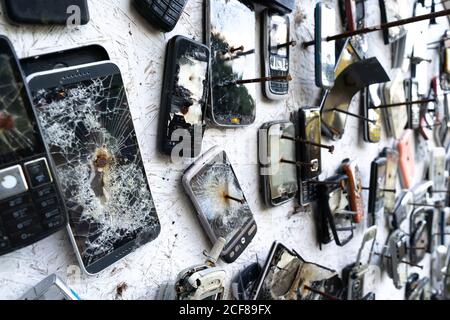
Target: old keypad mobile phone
x,y
30,200
405,148
325,54
351,169
436,173
275,53
376,193
220,203
308,130
88,127
390,184
232,101
396,253
278,168
370,99
164,14
184,97
287,276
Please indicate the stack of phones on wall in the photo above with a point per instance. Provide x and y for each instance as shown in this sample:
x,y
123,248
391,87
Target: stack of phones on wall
x,y
61,12
308,130
184,98
278,169
84,113
31,206
276,45
220,203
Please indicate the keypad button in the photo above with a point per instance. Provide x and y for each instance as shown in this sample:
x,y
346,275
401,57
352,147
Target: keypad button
x,y
38,172
44,192
18,214
19,226
4,243
47,203
25,235
12,182
50,214
15,202
53,223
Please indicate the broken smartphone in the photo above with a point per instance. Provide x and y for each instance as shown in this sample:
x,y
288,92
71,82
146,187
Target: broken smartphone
x,y
390,184
233,61
376,193
351,170
411,94
220,203
47,11
352,75
31,207
184,98
287,276
275,53
370,99
277,145
420,239
88,127
397,117
308,131
325,51
405,148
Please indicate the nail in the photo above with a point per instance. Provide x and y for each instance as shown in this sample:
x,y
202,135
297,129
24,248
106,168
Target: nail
x,y
354,115
298,163
323,146
241,201
292,43
263,79
426,205
403,104
233,49
402,261
323,294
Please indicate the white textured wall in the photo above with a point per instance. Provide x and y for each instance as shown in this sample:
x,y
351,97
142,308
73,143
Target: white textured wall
x,y
139,50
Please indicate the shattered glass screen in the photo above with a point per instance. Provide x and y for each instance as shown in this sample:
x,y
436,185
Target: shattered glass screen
x,y
17,131
233,43
278,41
189,93
221,199
288,274
283,180
92,140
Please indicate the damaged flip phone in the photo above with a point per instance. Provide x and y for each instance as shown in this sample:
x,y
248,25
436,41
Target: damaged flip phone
x,y
351,170
325,51
308,153
358,274
394,257
221,206
184,98
81,102
376,190
278,167
31,206
232,98
276,45
334,218
420,237
287,276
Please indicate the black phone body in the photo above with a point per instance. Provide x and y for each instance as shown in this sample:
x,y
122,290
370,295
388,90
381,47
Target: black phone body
x,y
220,203
286,272
184,98
164,14
47,11
275,53
308,130
30,200
233,59
279,183
90,133
376,193
411,94
282,6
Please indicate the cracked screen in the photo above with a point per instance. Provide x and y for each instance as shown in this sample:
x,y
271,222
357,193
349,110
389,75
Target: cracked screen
x,y
221,198
233,60
92,140
17,130
289,277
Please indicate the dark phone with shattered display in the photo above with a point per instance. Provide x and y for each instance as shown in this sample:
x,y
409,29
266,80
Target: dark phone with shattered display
x,y
46,11
278,178
30,201
221,206
183,98
287,276
230,34
87,124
